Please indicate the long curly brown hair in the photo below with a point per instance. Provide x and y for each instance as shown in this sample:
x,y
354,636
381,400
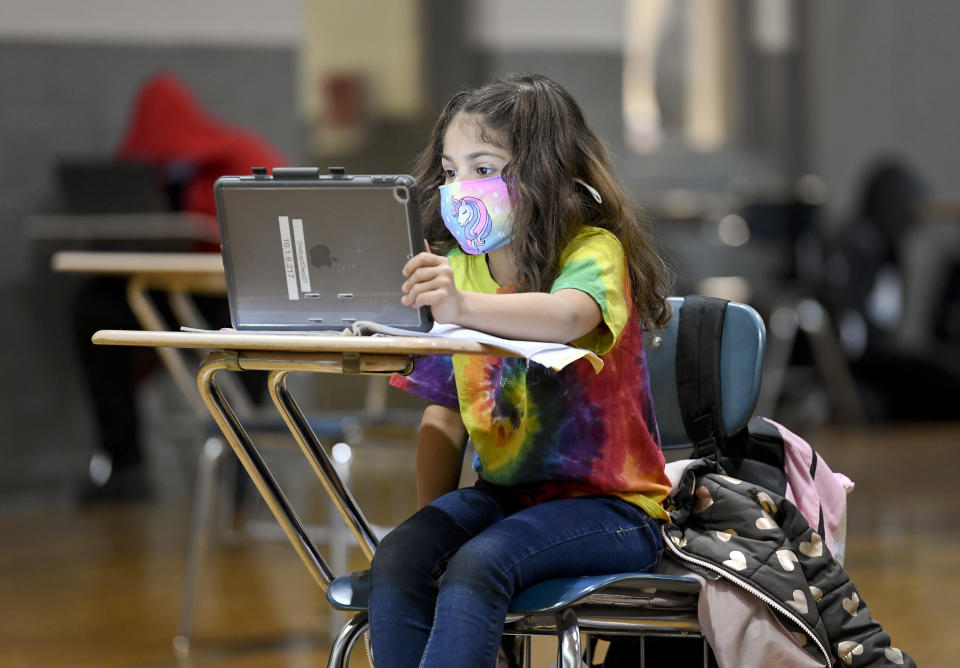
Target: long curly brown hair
x,y
544,129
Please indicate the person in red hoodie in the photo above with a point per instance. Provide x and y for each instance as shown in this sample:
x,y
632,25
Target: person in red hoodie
x,y
169,129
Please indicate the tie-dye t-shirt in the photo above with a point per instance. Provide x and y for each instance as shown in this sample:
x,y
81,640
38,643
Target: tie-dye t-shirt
x,y
548,434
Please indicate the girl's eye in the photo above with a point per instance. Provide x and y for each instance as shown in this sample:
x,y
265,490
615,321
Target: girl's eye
x,y
449,174
485,171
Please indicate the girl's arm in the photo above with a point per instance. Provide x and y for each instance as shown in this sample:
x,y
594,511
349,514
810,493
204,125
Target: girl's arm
x,y
562,316
440,446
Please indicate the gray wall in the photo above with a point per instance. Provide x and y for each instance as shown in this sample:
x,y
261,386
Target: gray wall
x,y
73,99
882,77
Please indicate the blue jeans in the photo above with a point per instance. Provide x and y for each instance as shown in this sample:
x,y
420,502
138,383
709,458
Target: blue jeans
x,y
442,581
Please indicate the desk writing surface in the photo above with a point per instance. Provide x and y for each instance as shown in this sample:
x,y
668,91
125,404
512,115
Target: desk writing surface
x,y
300,343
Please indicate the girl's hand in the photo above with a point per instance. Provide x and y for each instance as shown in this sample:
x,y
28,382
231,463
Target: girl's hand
x,y
430,283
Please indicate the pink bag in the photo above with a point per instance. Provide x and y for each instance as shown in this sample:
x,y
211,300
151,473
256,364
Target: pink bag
x,y
817,491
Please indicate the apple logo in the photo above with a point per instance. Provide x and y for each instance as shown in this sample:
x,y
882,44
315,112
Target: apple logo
x,y
320,256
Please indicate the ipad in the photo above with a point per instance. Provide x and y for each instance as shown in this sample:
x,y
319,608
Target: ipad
x,y
310,251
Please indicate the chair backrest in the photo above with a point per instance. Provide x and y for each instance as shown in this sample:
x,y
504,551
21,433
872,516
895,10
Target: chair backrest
x,y
743,342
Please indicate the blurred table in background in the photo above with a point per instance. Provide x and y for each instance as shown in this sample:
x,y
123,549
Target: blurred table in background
x,y
177,275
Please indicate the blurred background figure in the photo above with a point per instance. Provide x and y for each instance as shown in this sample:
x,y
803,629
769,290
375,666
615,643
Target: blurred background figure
x,y
887,275
188,149
170,129
931,263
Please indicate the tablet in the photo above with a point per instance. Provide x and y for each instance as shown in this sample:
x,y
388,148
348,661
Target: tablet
x,y
310,251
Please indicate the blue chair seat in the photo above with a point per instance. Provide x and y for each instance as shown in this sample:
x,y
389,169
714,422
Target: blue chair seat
x,y
558,593
351,592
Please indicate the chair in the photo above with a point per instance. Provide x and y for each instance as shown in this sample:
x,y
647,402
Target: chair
x,y
627,604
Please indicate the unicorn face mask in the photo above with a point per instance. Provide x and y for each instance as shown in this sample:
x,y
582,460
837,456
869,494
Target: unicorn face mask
x,y
478,214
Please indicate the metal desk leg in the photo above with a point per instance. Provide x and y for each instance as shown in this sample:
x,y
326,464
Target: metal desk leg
x,y
256,468
149,318
280,364
322,466
213,451
187,314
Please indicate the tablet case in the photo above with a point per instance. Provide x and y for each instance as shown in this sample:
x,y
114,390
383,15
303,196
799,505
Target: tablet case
x,y
306,251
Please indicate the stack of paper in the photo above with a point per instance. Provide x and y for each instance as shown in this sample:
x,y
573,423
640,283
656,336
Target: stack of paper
x,y
553,355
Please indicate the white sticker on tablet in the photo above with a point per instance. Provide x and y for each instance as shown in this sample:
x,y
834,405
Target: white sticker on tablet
x,y
301,249
289,265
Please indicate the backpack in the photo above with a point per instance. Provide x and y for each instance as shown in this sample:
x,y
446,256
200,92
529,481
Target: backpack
x,y
763,452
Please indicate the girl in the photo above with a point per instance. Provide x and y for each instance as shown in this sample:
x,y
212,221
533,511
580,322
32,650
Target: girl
x,y
533,239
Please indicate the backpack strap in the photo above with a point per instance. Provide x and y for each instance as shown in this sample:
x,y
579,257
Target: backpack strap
x,y
699,331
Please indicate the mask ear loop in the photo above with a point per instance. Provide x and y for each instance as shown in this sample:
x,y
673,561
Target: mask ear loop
x,y
590,189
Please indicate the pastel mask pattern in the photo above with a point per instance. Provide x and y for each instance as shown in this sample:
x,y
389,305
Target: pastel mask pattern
x,y
478,213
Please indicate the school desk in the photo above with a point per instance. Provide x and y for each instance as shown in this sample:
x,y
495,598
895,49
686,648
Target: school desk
x,y
281,355
175,275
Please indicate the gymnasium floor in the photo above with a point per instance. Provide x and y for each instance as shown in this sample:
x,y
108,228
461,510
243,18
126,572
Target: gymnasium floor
x,y
101,587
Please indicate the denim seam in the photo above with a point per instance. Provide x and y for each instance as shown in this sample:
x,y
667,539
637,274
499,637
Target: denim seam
x,y
619,530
